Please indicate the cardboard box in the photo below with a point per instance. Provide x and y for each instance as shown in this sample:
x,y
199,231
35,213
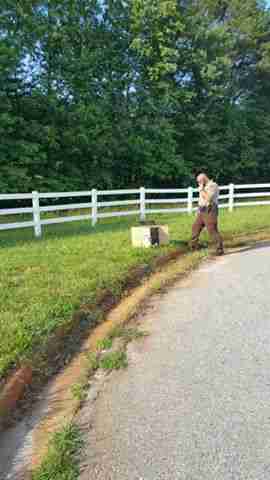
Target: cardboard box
x,y
150,235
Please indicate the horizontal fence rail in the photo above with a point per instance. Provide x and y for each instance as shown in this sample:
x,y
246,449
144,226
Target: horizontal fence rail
x,y
93,205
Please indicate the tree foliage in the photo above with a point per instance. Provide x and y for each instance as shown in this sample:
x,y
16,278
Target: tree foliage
x,y
119,93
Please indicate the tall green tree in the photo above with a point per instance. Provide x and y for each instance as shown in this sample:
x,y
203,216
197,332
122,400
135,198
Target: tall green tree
x,y
118,93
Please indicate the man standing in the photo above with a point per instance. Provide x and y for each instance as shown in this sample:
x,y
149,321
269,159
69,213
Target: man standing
x,y
207,213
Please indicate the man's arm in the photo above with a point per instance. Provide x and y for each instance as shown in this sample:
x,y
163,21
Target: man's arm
x,y
212,191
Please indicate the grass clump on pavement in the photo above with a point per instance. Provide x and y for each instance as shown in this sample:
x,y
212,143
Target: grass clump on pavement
x,y
79,390
62,459
104,344
43,282
127,334
103,358
114,361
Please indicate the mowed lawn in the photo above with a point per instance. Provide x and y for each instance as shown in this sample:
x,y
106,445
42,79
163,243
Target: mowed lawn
x,y
43,282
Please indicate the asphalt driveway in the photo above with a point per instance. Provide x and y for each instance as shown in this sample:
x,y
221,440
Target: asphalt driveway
x,y
194,403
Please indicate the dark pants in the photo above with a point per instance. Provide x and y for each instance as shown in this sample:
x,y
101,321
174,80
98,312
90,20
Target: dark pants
x,y
207,217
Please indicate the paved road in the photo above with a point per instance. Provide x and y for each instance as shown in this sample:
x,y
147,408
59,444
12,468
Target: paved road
x,y
194,403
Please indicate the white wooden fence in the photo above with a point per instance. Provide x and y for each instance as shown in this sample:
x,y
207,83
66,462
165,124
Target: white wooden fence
x,y
234,196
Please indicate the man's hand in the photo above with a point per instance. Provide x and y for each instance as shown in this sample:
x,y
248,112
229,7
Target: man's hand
x,y
203,194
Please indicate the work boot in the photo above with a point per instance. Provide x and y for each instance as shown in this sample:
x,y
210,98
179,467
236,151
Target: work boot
x,y
195,247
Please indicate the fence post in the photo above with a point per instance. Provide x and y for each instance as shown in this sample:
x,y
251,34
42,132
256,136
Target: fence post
x,y
190,200
142,204
94,207
36,214
231,197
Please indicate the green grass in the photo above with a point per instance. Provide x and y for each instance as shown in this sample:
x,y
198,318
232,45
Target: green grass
x,y
104,358
43,282
104,344
79,390
127,334
62,459
114,361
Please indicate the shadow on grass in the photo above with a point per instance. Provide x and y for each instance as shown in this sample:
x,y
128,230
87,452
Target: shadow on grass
x,y
13,238
179,243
